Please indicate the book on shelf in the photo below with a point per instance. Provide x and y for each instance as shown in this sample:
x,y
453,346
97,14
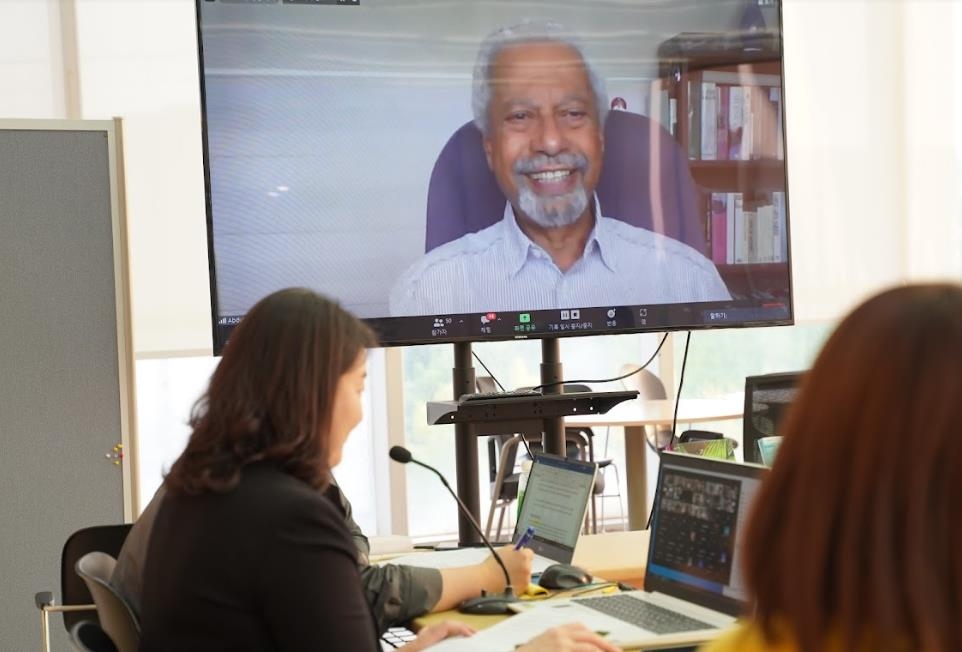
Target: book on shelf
x,y
709,121
694,119
718,231
778,201
721,124
747,232
734,116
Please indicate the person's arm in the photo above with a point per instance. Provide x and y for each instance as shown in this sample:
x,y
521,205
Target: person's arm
x,y
397,593
335,495
459,584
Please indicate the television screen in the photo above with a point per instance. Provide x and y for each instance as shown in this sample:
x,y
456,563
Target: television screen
x,y
468,170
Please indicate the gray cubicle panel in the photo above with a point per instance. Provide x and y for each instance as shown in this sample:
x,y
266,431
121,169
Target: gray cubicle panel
x,y
65,357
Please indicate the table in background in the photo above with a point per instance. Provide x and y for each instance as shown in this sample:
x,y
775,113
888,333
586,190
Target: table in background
x,y
633,416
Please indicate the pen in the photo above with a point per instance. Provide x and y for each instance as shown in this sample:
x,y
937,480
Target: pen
x,y
525,538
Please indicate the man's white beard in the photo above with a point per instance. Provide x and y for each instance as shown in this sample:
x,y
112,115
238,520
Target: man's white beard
x,y
553,212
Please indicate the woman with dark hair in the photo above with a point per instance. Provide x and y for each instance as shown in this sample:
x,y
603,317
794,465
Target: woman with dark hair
x,y
246,552
855,542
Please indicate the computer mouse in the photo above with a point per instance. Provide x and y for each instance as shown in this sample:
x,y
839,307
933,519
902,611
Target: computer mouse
x,y
564,576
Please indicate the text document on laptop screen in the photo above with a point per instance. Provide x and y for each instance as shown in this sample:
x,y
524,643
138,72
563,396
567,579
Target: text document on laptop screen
x,y
554,503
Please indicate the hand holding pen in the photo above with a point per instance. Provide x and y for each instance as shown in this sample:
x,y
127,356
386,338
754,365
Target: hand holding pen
x,y
517,558
525,538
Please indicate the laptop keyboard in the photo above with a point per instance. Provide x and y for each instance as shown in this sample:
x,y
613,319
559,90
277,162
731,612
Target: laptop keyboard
x,y
643,614
396,637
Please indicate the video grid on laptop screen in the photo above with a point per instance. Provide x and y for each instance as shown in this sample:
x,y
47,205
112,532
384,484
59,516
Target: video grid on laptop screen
x,y
698,521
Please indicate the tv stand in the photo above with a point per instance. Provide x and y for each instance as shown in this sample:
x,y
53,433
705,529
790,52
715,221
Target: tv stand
x,y
530,414
466,447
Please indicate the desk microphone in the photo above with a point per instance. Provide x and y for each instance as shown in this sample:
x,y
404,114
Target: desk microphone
x,y
484,604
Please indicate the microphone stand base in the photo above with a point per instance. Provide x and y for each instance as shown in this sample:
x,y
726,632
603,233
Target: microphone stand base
x,y
489,604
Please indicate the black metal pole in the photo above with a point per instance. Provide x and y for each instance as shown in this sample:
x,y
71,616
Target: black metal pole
x,y
551,372
466,447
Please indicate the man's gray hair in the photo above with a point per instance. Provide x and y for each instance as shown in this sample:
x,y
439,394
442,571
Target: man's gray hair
x,y
526,32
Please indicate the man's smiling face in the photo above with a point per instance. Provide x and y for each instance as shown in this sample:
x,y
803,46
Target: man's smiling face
x,y
544,142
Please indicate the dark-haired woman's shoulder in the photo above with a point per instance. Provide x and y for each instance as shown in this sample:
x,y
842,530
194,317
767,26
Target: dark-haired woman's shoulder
x,y
268,565
308,567
271,494
287,514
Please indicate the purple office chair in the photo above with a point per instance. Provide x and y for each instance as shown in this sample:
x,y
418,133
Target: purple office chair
x,y
645,181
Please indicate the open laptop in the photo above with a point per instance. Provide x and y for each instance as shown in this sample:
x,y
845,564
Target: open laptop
x,y
693,579
555,502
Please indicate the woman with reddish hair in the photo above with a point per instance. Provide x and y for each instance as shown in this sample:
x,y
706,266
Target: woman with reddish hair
x,y
855,541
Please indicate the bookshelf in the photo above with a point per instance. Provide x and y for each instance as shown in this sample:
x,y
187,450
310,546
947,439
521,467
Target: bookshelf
x,y
720,96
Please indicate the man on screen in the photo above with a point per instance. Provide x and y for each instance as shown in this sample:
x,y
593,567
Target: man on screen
x,y
541,109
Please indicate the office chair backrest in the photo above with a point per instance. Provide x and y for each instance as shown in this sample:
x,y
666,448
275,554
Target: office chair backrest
x,y
87,636
105,538
116,617
649,388
645,181
648,385
767,398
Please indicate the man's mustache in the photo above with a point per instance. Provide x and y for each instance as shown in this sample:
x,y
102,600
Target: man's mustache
x,y
541,162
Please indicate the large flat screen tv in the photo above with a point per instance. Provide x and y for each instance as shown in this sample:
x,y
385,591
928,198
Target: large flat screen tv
x,y
464,170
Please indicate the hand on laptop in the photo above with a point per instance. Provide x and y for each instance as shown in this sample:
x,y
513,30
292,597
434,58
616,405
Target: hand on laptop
x,y
568,638
518,563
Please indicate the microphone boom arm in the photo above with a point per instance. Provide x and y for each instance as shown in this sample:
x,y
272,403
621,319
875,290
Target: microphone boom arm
x,y
477,528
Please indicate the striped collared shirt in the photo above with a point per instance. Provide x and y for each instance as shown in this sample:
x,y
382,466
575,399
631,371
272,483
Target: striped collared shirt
x,y
500,269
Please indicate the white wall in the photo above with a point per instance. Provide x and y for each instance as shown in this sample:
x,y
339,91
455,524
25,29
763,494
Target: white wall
x,y
872,183
138,60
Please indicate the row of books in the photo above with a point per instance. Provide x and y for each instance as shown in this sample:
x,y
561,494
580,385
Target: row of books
x,y
743,231
735,116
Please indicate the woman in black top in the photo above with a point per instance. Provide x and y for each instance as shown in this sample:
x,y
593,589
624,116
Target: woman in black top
x,y
246,552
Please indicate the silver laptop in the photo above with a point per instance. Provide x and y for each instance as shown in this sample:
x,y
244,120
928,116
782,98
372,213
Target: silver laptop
x,y
693,579
554,504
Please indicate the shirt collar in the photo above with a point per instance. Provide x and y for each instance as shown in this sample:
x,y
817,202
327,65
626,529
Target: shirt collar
x,y
519,247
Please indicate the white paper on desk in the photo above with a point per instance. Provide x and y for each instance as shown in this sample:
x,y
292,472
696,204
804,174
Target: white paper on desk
x,y
459,557
510,632
459,644
443,558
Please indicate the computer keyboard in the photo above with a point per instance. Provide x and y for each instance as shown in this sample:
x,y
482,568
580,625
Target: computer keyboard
x,y
395,637
488,396
643,614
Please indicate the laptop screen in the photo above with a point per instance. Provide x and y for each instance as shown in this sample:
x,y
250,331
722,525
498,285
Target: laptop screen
x,y
701,507
554,504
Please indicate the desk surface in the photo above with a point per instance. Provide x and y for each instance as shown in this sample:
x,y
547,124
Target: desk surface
x,y
613,556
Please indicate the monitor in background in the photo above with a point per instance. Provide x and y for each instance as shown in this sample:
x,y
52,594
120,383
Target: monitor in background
x,y
347,150
767,398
